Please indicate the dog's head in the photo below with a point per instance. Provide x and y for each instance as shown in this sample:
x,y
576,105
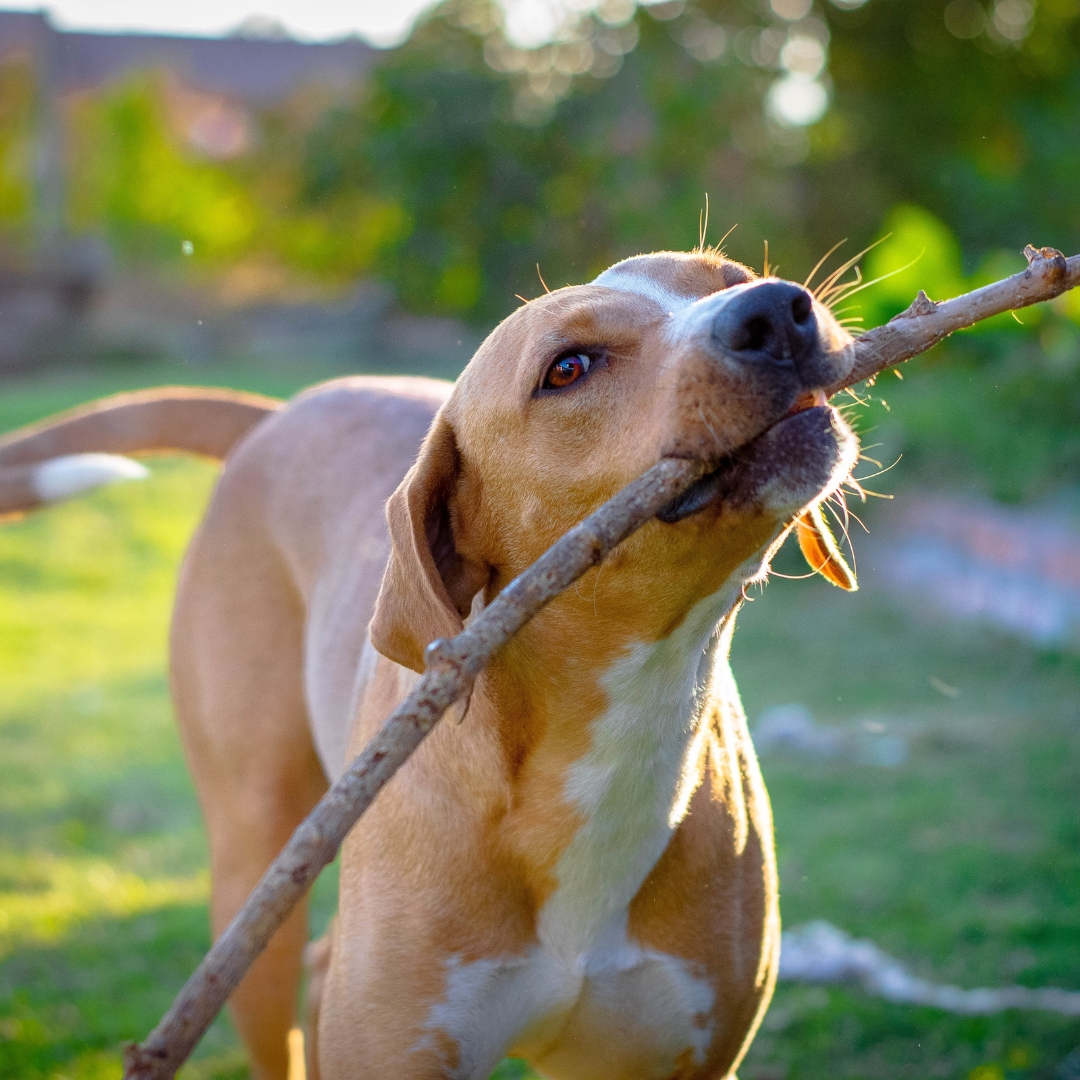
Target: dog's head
x,y
581,390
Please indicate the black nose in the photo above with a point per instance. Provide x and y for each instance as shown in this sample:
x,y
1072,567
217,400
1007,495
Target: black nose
x,y
773,320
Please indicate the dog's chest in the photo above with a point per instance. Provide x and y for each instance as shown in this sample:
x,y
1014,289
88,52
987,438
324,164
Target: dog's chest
x,y
587,1001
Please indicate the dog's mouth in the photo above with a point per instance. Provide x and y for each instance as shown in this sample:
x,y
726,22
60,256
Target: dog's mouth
x,y
785,470
742,469
810,400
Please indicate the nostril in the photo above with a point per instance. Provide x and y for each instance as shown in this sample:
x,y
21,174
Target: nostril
x,y
757,332
769,320
802,307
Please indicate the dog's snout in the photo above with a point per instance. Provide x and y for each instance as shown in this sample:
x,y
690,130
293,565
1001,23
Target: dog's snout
x,y
773,320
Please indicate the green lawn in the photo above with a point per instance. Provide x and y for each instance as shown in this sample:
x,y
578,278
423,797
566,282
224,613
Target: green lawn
x,y
965,861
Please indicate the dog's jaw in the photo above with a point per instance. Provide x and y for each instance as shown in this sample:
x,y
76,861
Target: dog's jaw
x,y
800,460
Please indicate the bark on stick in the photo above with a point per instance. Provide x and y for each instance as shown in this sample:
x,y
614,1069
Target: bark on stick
x,y
452,666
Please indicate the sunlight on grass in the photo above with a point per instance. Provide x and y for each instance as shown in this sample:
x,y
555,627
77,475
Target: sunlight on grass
x,y
85,587
54,896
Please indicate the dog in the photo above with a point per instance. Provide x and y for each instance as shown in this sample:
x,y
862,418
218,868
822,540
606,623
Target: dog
x,y
580,871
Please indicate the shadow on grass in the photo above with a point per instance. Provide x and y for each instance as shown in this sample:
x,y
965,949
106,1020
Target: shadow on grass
x,y
68,1008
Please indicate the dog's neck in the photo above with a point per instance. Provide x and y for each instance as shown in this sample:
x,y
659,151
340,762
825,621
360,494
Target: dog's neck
x,y
599,759
597,804
633,786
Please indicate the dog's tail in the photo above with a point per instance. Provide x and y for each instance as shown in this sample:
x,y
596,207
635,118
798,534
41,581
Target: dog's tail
x,y
82,449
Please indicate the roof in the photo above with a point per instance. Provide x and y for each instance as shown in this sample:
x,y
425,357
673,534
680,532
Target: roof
x,y
255,70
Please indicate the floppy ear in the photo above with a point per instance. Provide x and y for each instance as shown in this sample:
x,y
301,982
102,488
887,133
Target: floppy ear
x,y
428,586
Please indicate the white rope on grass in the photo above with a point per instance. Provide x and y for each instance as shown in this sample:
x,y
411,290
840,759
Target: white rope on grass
x,y
821,953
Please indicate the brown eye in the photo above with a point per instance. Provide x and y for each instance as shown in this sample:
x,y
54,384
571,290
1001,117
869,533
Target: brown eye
x,y
566,370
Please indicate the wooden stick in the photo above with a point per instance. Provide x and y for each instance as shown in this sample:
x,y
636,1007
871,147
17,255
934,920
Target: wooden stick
x,y
925,323
450,670
451,667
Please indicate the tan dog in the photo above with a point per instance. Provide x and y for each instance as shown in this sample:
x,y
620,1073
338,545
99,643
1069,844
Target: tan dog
x,y
581,873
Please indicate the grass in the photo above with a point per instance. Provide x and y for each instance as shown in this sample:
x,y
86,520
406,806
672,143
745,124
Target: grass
x,y
965,861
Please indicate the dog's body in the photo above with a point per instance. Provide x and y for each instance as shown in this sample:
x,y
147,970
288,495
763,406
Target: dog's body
x,y
581,872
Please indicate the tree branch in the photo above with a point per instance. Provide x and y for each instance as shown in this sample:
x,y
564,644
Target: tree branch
x,y
925,323
452,666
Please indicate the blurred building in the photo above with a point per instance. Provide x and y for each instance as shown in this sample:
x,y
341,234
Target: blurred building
x,y
256,65
212,86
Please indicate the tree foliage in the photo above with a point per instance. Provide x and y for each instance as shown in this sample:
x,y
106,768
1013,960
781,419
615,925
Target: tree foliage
x,y
467,160
979,130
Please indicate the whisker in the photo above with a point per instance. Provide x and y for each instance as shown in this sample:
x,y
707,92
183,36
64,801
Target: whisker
x,y
880,472
712,432
791,577
838,498
838,273
855,487
719,247
847,537
596,582
820,263
858,287
848,512
845,267
860,521
832,295
827,504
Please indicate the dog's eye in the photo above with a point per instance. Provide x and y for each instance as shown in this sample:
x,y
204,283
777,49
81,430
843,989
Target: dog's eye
x,y
566,370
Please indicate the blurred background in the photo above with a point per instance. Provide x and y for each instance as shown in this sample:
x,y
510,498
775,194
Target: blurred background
x,y
265,198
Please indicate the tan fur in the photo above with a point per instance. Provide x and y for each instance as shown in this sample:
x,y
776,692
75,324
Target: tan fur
x,y
459,864
200,420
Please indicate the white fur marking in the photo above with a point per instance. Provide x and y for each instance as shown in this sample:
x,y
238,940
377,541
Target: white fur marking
x,y
65,476
642,285
628,783
488,1002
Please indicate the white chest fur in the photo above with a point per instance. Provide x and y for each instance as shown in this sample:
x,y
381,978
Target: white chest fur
x,y
587,1003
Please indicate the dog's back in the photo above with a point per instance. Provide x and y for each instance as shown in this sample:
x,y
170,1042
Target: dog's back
x,y
312,482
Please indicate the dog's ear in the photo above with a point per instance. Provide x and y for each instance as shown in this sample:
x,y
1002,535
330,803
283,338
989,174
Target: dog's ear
x,y
428,586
